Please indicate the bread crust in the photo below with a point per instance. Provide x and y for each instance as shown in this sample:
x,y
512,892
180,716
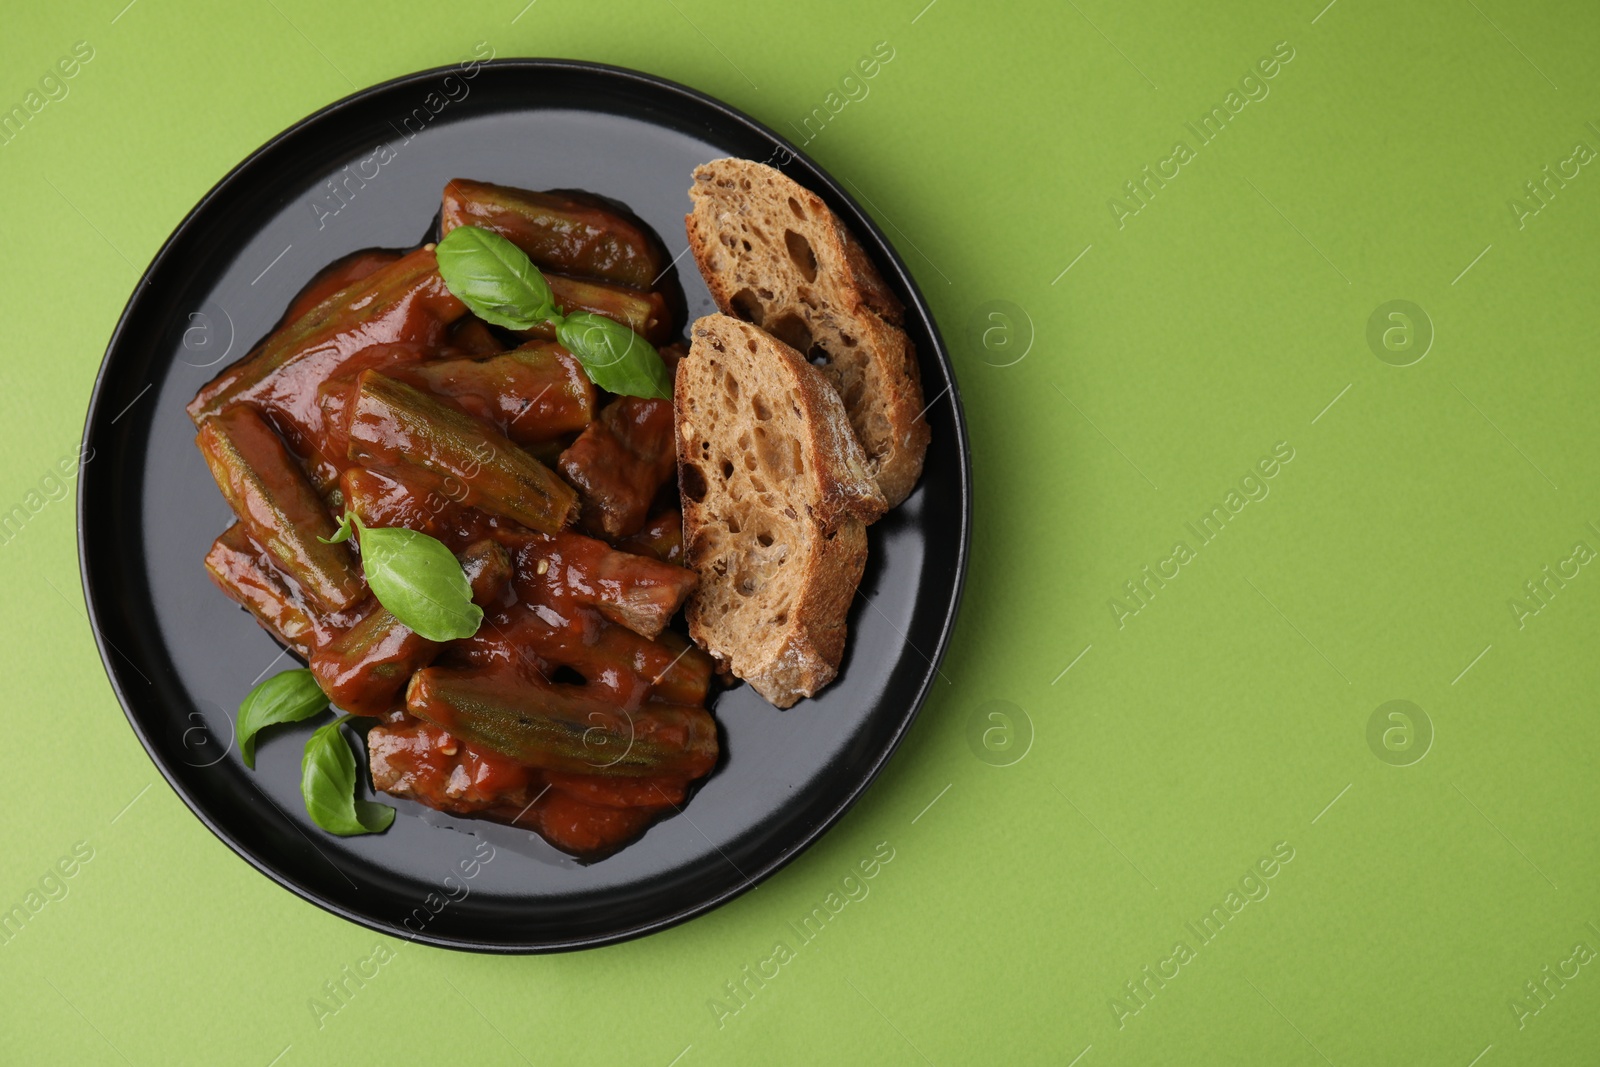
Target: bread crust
x,y
776,499
819,294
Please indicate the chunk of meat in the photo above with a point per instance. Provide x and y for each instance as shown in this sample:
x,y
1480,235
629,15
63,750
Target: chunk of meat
x,y
579,814
620,463
470,338
661,538
421,762
630,589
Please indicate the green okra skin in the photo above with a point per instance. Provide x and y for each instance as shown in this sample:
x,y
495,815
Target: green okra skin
x,y
364,669
394,424
561,728
644,313
535,393
237,566
277,506
403,302
559,232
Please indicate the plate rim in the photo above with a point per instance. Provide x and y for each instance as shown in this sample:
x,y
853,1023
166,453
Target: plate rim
x,y
803,841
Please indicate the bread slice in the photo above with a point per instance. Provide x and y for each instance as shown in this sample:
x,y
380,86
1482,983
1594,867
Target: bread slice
x,y
772,253
776,498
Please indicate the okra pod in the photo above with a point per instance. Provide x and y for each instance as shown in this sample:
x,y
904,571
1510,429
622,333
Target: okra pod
x,y
336,399
417,760
406,301
395,424
533,394
563,728
558,231
320,430
581,814
644,313
364,669
277,505
239,568
335,278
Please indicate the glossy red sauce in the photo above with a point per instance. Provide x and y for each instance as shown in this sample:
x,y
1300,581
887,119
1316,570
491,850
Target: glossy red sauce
x,y
580,616
338,275
581,814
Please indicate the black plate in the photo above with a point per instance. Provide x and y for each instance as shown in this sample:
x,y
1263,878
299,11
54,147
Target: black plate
x,y
181,656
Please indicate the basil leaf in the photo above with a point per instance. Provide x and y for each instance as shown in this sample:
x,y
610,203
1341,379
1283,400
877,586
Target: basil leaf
x,y
420,580
328,786
615,358
287,696
494,278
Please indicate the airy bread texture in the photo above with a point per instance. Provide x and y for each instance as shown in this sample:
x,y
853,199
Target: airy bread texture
x,y
773,254
776,498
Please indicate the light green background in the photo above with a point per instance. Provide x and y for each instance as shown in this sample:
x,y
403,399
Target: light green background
x,y
1223,718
